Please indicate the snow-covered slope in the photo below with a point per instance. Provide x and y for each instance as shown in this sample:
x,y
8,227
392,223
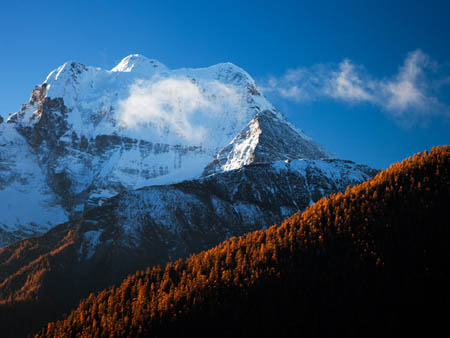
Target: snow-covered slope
x,y
88,134
230,203
28,206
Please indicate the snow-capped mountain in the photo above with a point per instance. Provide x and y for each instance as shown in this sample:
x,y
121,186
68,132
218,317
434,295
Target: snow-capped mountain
x,y
87,134
121,169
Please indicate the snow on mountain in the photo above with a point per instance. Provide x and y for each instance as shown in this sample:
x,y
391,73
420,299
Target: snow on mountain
x,y
88,134
28,206
95,118
226,204
139,63
267,137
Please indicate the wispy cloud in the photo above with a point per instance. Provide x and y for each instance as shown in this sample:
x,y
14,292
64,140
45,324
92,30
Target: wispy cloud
x,y
178,104
168,102
409,96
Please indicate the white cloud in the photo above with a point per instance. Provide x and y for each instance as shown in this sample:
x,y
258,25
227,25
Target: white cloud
x,y
408,89
408,96
162,103
178,104
346,84
295,93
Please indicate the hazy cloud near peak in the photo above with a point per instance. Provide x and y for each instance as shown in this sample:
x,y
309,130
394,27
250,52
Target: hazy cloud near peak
x,y
177,103
409,96
165,102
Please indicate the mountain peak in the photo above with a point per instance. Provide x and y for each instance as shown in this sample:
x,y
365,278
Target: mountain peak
x,y
69,68
138,62
268,137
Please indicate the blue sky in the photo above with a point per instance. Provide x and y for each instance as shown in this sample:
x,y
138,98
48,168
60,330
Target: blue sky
x,y
369,80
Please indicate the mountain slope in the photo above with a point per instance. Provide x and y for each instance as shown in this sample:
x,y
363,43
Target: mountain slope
x,y
156,224
370,262
87,134
268,137
23,186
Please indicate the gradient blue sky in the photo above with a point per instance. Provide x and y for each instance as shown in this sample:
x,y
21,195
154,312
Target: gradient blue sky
x,y
272,41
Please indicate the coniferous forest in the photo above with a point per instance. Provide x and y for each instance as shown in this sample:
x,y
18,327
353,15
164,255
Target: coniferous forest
x,y
373,261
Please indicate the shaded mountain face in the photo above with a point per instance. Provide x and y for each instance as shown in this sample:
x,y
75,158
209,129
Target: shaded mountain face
x,y
88,134
156,224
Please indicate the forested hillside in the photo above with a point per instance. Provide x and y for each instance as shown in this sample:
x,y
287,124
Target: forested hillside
x,y
373,261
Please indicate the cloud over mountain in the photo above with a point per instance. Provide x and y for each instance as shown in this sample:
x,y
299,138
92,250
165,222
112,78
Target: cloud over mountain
x,y
177,103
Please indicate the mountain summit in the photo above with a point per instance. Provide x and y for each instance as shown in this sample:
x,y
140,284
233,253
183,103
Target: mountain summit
x,y
138,63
